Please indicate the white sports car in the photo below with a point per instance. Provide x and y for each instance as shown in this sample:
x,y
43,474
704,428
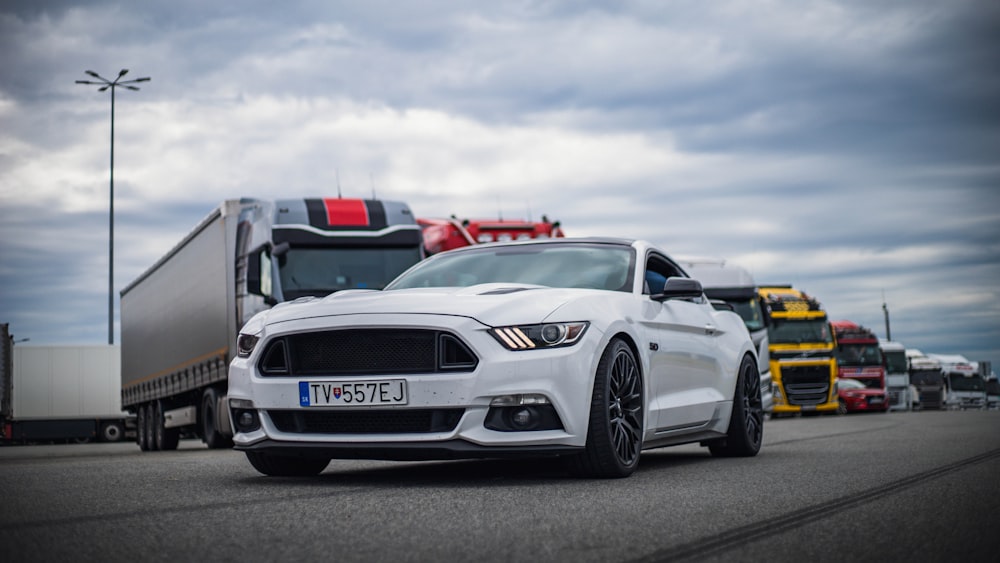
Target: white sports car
x,y
590,349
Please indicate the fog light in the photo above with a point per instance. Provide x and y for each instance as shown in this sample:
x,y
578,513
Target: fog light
x,y
246,420
522,418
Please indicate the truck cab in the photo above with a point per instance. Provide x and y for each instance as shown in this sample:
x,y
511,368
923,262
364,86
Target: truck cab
x,y
803,368
448,234
897,376
731,286
926,380
966,387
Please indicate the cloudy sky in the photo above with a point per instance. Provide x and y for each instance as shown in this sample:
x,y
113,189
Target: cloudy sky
x,y
851,148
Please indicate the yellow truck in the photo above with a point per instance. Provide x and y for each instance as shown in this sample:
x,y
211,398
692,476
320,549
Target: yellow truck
x,y
803,367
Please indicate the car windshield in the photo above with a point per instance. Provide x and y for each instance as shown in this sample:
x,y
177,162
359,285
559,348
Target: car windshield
x,y
785,331
926,377
584,265
849,384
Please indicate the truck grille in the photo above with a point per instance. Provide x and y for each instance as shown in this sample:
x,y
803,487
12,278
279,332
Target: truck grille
x,y
396,421
806,385
366,352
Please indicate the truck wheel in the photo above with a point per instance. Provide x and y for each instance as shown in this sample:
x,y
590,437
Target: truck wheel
x,y
209,433
746,423
140,428
283,466
148,428
112,431
166,438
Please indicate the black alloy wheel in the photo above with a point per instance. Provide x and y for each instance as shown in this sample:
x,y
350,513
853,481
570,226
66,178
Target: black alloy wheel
x,y
746,424
614,435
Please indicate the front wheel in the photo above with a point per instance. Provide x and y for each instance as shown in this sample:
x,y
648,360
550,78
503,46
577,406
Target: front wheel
x,y
285,466
746,424
614,434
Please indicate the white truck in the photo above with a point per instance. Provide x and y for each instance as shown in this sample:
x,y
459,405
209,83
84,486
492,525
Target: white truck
x,y
966,387
897,375
735,287
60,393
181,317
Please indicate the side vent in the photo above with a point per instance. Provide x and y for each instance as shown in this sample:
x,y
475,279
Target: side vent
x,y
454,354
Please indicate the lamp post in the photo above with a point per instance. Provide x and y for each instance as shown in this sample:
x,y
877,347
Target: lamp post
x,y
106,84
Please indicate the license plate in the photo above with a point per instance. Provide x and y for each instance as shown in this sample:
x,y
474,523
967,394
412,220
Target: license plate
x,y
875,400
352,393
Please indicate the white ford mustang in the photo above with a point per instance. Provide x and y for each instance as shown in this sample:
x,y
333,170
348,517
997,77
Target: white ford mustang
x,y
590,349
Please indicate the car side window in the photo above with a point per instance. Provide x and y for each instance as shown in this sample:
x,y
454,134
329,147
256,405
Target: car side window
x,y
658,269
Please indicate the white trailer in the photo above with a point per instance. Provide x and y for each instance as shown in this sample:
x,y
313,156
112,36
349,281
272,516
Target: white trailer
x,y
897,375
62,393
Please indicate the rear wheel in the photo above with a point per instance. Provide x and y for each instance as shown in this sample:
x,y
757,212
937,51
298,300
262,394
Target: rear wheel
x,y
148,428
286,466
140,428
209,430
614,434
166,438
746,424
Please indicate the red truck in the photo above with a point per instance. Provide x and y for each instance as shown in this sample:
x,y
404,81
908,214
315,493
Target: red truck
x,y
447,234
859,357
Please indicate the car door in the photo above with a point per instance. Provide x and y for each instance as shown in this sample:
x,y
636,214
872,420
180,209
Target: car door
x,y
685,377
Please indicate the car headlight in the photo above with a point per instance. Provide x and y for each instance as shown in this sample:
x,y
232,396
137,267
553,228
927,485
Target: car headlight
x,y
245,344
547,335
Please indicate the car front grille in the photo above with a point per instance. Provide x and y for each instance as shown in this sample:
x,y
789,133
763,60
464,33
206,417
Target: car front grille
x,y
394,421
806,385
366,352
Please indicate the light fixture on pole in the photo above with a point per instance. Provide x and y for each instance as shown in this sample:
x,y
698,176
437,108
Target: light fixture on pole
x,y
106,84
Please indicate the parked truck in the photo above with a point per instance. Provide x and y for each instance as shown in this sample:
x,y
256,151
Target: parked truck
x,y
858,354
966,387
59,393
897,375
447,234
733,286
927,380
985,369
181,317
803,368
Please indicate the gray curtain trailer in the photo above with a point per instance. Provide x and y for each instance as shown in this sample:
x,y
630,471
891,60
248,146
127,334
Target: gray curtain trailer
x,y
180,318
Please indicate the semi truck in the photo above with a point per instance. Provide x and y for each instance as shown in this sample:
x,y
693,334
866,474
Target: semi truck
x,y
985,369
897,375
858,354
181,317
927,380
966,387
447,234
734,287
803,368
59,393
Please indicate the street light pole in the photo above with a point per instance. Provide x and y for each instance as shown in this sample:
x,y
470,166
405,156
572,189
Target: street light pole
x,y
106,84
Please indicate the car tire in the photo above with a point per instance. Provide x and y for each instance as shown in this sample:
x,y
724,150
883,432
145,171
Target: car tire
x,y
615,430
746,424
841,407
285,466
214,439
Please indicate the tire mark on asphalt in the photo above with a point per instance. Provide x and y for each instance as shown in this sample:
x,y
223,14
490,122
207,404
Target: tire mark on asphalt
x,y
734,538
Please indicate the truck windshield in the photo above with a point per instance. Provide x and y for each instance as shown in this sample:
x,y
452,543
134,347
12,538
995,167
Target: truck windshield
x,y
926,377
321,271
895,362
794,331
962,383
749,310
859,355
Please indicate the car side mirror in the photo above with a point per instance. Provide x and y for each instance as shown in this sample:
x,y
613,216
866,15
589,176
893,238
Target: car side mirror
x,y
679,288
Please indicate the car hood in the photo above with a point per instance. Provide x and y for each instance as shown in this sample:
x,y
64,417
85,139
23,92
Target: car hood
x,y
494,304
